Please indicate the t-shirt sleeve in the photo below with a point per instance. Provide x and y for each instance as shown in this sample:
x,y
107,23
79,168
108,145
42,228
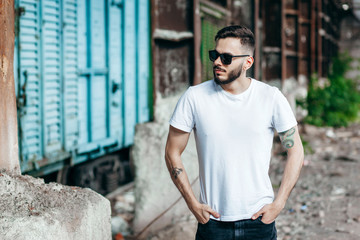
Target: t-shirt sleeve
x,y
283,117
183,115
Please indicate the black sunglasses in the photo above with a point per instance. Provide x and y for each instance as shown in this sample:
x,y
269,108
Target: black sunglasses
x,y
224,57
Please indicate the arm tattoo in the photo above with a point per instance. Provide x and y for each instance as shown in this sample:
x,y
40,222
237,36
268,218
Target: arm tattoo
x,y
287,138
176,172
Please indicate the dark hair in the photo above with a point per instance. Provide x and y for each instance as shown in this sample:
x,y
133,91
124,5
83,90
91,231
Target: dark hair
x,y
245,35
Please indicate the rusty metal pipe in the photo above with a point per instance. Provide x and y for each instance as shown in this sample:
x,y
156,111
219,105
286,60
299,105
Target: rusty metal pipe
x,y
9,159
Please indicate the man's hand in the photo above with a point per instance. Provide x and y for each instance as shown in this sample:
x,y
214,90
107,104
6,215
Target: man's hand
x,y
269,212
202,213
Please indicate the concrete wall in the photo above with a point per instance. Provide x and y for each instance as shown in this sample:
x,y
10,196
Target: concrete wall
x,y
154,189
32,210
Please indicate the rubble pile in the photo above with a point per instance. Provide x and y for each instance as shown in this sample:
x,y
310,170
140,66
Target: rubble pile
x,y
122,211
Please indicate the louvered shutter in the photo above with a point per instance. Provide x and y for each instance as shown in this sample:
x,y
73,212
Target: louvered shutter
x,y
29,94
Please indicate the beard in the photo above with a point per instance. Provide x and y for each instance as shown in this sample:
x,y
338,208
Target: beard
x,y
233,75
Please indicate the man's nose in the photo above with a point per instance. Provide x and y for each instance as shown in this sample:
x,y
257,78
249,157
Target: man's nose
x,y
217,61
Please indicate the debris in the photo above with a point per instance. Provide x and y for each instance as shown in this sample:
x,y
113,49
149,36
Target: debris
x,y
119,225
340,229
286,229
338,191
330,133
303,208
344,134
119,236
335,174
345,158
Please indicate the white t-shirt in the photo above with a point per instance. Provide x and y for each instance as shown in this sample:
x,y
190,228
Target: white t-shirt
x,y
234,135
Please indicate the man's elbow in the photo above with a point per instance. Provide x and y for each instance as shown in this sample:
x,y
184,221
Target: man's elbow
x,y
302,158
297,154
301,155
169,155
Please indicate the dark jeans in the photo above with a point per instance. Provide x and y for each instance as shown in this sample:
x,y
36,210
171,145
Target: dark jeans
x,y
243,229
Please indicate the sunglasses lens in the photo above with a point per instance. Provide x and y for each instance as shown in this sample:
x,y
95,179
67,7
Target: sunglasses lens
x,y
213,55
226,58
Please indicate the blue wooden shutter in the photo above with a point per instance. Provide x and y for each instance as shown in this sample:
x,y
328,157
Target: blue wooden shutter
x,y
51,77
70,78
143,41
116,61
94,95
29,82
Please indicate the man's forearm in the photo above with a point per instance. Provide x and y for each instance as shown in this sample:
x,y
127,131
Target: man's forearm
x,y
292,142
290,177
180,179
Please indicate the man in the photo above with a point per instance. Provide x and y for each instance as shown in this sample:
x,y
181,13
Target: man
x,y
234,118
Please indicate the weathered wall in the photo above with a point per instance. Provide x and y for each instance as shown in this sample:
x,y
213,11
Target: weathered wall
x,y
154,189
173,49
32,210
174,60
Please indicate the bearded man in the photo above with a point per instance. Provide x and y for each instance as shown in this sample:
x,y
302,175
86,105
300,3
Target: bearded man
x,y
234,118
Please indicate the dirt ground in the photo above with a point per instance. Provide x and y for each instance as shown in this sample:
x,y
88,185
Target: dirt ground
x,y
325,203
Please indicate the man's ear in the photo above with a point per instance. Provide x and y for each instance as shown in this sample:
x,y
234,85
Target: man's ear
x,y
248,62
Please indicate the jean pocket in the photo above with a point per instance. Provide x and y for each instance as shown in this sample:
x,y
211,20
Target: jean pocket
x,y
267,224
203,224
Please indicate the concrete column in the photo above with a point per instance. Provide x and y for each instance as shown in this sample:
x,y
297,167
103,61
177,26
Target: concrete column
x,y
8,114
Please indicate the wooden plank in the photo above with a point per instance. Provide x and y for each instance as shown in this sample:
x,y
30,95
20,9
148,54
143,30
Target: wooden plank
x,y
257,39
298,38
143,41
97,19
197,43
129,72
116,74
82,35
319,38
83,110
154,49
283,43
98,108
291,12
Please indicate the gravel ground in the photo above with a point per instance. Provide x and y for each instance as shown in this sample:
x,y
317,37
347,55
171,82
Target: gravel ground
x,y
325,204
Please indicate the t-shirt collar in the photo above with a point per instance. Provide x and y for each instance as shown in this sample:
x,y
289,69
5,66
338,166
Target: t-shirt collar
x,y
240,96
